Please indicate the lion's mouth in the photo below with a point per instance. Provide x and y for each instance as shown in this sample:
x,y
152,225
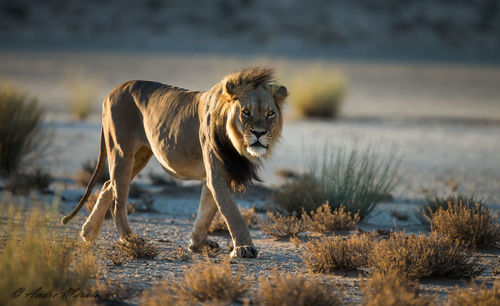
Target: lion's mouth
x,y
257,144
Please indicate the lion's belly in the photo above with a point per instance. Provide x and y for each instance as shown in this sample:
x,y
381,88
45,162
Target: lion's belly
x,y
180,156
181,163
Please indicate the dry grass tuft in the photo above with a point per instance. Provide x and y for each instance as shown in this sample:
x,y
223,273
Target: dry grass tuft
x,y
116,257
338,253
473,226
203,282
83,176
296,290
137,247
392,289
434,202
318,94
477,296
323,220
31,257
283,226
21,132
218,224
421,256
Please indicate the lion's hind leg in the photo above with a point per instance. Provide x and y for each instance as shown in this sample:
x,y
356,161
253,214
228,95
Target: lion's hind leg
x,y
93,225
121,173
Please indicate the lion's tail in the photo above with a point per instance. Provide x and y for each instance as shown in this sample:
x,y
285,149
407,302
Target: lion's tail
x,y
97,172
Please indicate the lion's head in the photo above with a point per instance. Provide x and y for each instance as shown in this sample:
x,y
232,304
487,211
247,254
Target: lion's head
x,y
249,121
254,119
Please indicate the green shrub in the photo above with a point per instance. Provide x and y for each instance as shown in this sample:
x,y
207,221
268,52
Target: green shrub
x,y
318,94
357,180
21,133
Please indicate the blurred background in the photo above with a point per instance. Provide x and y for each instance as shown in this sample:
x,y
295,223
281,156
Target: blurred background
x,y
419,75
440,29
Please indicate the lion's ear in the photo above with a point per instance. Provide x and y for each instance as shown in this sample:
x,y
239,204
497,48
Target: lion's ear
x,y
279,93
230,89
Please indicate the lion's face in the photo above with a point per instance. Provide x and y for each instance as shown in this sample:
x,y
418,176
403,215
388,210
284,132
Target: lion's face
x,y
254,120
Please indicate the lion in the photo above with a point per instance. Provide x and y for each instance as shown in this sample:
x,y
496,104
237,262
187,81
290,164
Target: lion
x,y
219,136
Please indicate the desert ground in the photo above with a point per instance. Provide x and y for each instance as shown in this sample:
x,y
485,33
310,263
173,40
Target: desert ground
x,y
441,119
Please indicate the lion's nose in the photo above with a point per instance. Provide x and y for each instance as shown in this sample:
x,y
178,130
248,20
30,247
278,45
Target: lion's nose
x,y
258,133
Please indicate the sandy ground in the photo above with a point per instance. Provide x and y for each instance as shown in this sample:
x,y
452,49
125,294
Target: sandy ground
x,y
442,119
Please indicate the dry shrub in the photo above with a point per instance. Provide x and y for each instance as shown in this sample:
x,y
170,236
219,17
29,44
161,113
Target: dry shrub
x,y
280,226
81,97
318,94
112,293
474,226
392,289
21,132
299,193
477,296
421,256
24,183
296,290
399,215
201,283
338,253
144,205
162,179
32,256
323,220
136,247
218,224
83,176
434,202
136,191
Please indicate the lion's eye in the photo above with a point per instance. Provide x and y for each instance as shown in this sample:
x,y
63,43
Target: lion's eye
x,y
246,112
270,113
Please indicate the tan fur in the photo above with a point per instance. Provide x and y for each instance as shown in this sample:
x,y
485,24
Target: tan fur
x,y
194,135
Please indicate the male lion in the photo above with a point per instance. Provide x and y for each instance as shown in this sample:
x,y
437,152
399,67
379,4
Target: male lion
x,y
218,136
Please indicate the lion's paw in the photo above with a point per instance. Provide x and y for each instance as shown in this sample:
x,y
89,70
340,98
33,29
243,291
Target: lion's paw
x,y
89,232
210,244
244,251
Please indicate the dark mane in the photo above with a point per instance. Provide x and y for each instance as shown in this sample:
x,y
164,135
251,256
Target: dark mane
x,y
240,170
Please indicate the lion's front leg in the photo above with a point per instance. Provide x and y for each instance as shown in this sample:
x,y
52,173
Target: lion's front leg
x,y
240,235
206,213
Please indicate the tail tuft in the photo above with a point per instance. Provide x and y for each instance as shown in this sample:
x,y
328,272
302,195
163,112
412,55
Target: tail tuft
x,y
65,219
